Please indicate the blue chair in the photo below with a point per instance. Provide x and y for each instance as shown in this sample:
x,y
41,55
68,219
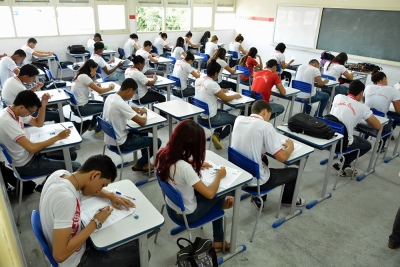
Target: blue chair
x,y
121,53
60,65
204,105
253,168
171,66
178,86
235,55
154,50
204,60
38,231
98,72
304,88
108,129
255,95
246,72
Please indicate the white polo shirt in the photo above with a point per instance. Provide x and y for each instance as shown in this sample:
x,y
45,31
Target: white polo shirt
x,y
210,48
102,63
28,51
182,69
7,67
278,56
335,69
252,136
90,46
145,55
12,133
117,112
159,43
307,73
11,88
177,52
81,90
350,112
379,97
128,47
234,46
223,64
140,79
206,89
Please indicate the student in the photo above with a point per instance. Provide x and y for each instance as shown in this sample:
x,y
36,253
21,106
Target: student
x,y
81,86
90,43
310,74
130,46
29,51
219,57
182,69
107,72
3,55
188,43
207,90
24,153
160,44
351,112
178,52
253,136
263,82
145,53
237,47
280,57
205,38
251,63
211,46
336,69
118,112
60,215
179,164
8,65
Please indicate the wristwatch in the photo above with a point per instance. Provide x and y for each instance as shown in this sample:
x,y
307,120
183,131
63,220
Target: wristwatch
x,y
98,223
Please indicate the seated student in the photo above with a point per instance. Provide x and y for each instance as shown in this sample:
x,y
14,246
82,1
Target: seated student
x,y
107,72
236,46
160,44
182,69
81,86
130,46
351,112
23,152
90,43
211,46
310,73
179,164
8,65
3,55
178,52
336,69
144,52
253,136
60,215
280,58
29,52
263,82
219,57
207,90
205,38
118,112
135,72
188,42
251,63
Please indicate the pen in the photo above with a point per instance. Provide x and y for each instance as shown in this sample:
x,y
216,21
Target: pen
x,y
63,126
119,193
143,107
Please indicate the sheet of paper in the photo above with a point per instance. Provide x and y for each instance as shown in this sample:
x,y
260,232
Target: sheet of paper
x,y
117,60
296,146
40,137
208,175
150,115
242,100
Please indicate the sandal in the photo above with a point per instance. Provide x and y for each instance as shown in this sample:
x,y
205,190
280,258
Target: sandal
x,y
229,202
218,248
136,169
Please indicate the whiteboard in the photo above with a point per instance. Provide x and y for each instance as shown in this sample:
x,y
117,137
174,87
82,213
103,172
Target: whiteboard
x,y
297,26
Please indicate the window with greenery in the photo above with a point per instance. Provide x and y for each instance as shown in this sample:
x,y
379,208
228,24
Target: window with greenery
x,y
149,19
177,19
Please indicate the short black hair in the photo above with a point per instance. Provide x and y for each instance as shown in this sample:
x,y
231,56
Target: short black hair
x,y
29,70
213,67
133,36
147,43
189,33
98,35
101,163
137,59
259,106
98,45
20,53
28,99
356,87
280,47
164,35
189,56
272,63
128,83
32,40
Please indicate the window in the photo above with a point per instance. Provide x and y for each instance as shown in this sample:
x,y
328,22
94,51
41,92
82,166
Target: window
x,y
154,2
178,2
149,19
224,21
225,5
202,17
34,21
111,17
7,27
75,20
177,19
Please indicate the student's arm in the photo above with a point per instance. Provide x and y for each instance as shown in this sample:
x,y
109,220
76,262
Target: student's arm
x,y
16,71
241,49
142,119
226,98
151,81
231,70
191,44
153,59
210,191
108,72
42,54
183,54
39,120
349,76
101,90
195,73
321,82
36,87
281,89
136,46
396,106
33,148
374,122
285,65
116,200
260,64
284,154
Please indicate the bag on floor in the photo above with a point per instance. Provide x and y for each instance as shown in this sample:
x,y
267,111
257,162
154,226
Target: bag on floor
x,y
200,253
306,124
11,182
345,136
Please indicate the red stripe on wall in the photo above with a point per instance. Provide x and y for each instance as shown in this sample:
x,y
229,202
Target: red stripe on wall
x,y
132,16
256,18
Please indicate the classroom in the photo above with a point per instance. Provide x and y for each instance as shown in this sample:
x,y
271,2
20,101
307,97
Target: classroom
x,y
330,211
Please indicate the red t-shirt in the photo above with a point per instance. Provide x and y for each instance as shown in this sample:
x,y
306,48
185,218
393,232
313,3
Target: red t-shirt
x,y
250,63
263,82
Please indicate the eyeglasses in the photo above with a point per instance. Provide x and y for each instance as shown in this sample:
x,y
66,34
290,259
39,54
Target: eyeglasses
x,y
31,112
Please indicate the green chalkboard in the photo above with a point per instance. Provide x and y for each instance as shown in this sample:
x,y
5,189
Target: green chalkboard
x,y
368,33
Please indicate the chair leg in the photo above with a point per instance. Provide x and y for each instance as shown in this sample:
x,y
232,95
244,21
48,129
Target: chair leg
x,y
148,160
258,217
279,202
162,209
224,236
287,106
122,167
21,185
104,149
338,173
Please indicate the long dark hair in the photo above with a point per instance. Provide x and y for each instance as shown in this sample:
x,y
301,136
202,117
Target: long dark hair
x,y
204,38
85,68
341,58
188,143
219,53
179,42
251,53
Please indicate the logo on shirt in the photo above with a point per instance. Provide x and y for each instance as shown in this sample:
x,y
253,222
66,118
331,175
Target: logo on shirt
x,y
76,221
349,105
380,94
261,77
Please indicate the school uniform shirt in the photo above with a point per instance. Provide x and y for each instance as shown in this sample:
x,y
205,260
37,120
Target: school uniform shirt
x,y
252,136
397,86
177,53
379,97
250,64
102,63
7,67
335,69
223,64
210,48
307,73
117,112
205,90
159,43
185,44
11,88
234,46
60,208
140,79
128,47
263,82
81,90
145,55
182,69
350,112
184,177
28,51
12,133
90,46
278,56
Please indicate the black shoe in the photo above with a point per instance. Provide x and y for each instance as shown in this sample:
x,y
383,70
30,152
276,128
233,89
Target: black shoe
x,y
38,189
336,167
392,138
256,201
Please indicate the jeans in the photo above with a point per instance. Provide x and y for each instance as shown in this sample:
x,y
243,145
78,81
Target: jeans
x,y
93,106
394,238
358,142
137,141
225,84
152,71
318,97
188,91
42,164
340,89
221,118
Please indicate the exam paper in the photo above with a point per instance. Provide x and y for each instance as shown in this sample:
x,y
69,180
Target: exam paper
x,y
208,175
296,146
40,137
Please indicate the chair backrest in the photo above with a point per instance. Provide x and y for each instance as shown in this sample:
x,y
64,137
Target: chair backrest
x,y
279,68
49,74
246,70
155,50
337,127
252,94
329,77
204,56
302,86
5,152
121,51
201,104
377,112
173,59
234,54
38,231
107,128
173,194
244,162
72,98
176,80
56,57
98,70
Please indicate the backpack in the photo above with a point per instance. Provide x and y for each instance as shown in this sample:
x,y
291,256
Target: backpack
x,y
76,49
306,124
326,56
11,182
200,253
345,136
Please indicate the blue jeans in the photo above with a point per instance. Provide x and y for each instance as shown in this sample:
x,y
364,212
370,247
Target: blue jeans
x,y
221,118
340,89
318,97
277,109
137,141
93,106
358,142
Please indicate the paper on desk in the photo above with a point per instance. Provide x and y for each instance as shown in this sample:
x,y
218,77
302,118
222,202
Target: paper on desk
x,y
117,61
295,145
40,137
150,115
90,206
208,175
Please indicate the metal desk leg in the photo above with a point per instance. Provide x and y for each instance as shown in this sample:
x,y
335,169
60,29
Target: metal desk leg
x,y
246,109
238,84
291,106
331,98
168,92
169,125
155,149
67,159
61,112
167,66
371,161
143,251
395,153
199,65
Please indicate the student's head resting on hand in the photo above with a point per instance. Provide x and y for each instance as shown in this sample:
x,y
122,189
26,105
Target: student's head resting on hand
x,y
128,89
262,108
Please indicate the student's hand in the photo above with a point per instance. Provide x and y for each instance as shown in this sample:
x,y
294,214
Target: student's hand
x,y
98,84
3,55
142,111
118,202
225,90
221,173
155,77
45,99
111,61
206,165
289,143
39,84
234,69
291,61
64,134
51,53
238,96
103,214
120,63
111,86
326,80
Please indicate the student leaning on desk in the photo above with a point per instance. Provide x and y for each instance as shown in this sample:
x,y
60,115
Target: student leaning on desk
x,y
60,215
8,65
29,51
130,46
336,69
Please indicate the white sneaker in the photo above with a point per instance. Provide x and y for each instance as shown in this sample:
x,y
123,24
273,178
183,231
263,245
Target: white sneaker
x,y
299,203
349,171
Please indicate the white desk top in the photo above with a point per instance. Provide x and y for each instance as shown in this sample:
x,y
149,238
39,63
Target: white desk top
x,y
382,120
164,60
289,91
296,155
44,58
225,72
129,228
56,95
196,57
178,108
155,120
109,52
239,101
105,85
163,81
78,55
41,73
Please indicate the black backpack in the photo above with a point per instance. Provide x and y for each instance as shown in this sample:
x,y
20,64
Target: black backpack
x,y
345,136
11,182
306,124
76,49
198,254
